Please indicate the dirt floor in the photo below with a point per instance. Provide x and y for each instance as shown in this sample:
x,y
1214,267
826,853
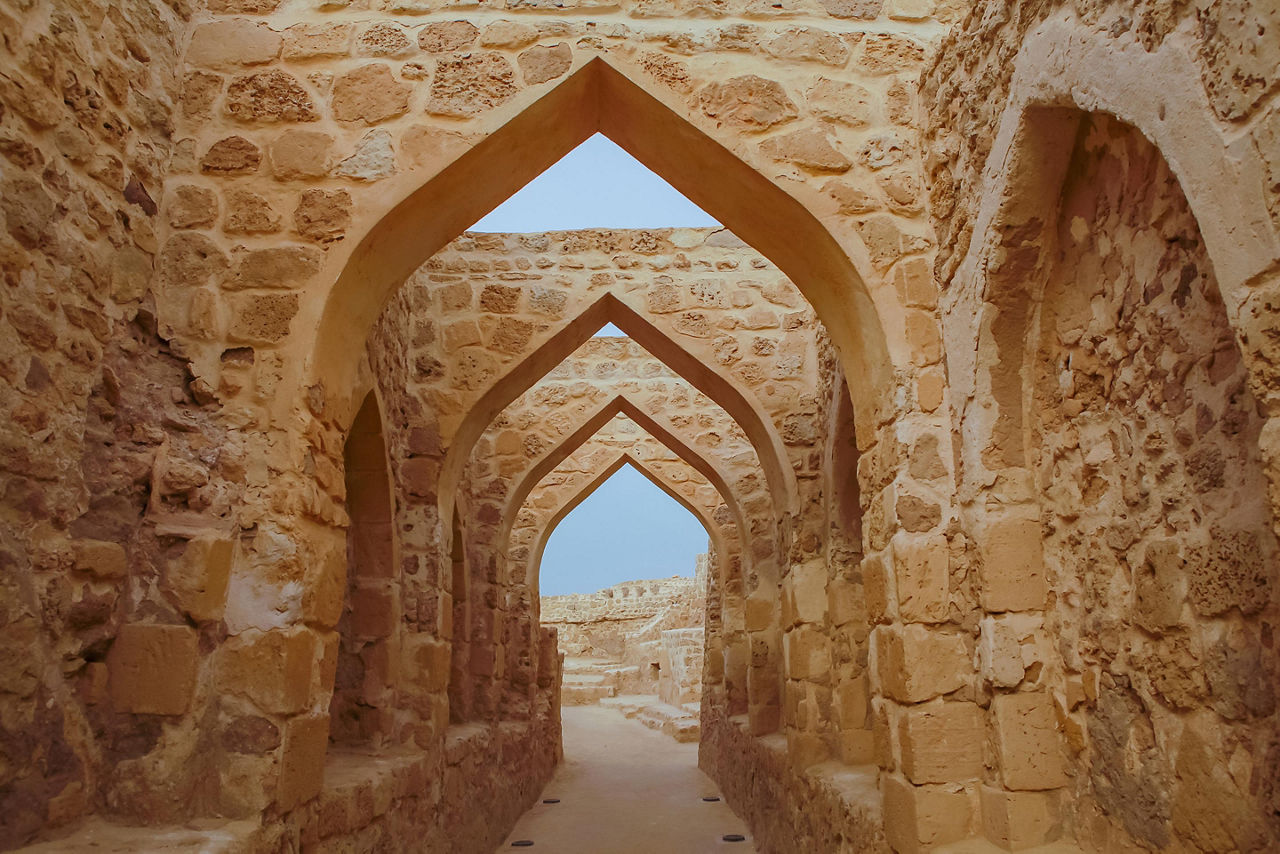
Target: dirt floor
x,y
625,789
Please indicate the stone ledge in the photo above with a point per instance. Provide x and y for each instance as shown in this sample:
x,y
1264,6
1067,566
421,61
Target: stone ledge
x,y
827,807
96,836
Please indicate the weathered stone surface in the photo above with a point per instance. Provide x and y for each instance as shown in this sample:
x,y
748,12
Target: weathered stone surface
x,y
1028,740
747,103
471,85
231,43
323,215
921,571
101,559
302,760
373,159
810,148
269,96
1018,820
315,41
232,155
1208,808
249,213
941,743
842,102
298,153
198,579
508,34
272,669
276,267
809,44
916,663
542,63
1012,569
917,818
153,669
369,94
383,40
447,36
262,318
192,207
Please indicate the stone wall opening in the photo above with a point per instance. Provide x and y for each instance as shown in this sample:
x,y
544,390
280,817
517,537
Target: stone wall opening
x,y
359,712
1159,544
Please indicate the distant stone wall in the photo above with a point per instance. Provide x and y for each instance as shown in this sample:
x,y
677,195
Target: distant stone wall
x,y
605,624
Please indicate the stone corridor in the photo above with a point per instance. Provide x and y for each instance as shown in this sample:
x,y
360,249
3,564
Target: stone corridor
x,y
626,789
972,393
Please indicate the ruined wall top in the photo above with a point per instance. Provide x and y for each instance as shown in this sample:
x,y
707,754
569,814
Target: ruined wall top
x,y
625,601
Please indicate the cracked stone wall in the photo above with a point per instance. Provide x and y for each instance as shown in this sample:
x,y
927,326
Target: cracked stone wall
x,y
1102,311
1152,488
104,438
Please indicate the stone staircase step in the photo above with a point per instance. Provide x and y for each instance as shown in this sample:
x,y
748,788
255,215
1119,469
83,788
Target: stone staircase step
x,y
584,695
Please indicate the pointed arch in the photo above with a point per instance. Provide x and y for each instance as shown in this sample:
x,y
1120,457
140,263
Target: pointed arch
x,y
599,98
533,572
609,309
617,406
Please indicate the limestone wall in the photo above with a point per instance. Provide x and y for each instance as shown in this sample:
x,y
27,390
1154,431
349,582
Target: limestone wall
x,y
1104,348
608,622
103,439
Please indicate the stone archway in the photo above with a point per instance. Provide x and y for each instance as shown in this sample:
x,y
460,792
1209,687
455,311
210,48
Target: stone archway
x,y
609,309
598,98
726,653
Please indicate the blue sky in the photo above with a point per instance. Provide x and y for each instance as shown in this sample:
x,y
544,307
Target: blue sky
x,y
625,530
597,185
628,528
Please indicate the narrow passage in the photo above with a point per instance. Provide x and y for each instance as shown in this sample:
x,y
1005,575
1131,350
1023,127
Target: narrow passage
x,y
626,789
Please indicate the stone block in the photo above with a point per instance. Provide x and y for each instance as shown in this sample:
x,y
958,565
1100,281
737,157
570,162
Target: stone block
x,y
918,818
299,153
100,559
373,612
1011,574
921,566
851,702
1018,820
805,749
425,662
1000,649
759,613
273,669
326,587
763,718
198,579
232,43
917,664
1028,742
302,761
807,652
152,669
875,586
1211,812
541,63
806,585
1160,586
369,94
941,742
846,602
857,747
